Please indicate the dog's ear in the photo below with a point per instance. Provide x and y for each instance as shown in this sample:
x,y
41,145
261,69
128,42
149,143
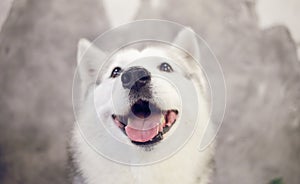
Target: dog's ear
x,y
187,40
89,60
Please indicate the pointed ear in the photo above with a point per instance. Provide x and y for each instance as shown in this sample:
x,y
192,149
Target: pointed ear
x,y
89,60
187,40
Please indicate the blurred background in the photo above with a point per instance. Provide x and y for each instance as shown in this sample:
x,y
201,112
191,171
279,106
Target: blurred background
x,y
256,42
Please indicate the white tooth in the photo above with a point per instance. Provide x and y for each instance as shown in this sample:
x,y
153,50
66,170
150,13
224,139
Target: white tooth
x,y
128,121
162,119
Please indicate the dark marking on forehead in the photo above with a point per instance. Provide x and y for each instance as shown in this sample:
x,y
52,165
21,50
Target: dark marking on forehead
x,y
198,179
189,75
212,163
98,82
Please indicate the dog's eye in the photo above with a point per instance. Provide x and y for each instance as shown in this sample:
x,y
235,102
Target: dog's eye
x,y
165,67
116,72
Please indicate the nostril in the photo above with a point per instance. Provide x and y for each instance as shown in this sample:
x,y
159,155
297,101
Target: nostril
x,y
143,75
145,79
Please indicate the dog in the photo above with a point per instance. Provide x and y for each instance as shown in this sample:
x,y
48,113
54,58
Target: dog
x,y
140,110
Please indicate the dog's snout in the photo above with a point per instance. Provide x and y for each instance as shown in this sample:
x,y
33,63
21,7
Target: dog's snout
x,y
135,78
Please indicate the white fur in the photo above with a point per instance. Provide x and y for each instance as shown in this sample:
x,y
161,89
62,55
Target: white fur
x,y
186,166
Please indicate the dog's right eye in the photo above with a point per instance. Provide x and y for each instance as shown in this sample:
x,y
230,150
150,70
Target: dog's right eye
x,y
116,72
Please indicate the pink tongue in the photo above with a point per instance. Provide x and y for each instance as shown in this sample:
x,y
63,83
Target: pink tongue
x,y
143,130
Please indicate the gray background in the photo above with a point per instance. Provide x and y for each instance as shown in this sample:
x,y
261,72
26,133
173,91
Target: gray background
x,y
258,140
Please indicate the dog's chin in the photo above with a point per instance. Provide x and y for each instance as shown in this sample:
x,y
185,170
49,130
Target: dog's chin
x,y
146,123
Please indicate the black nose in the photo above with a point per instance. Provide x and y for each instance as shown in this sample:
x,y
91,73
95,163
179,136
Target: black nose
x,y
135,78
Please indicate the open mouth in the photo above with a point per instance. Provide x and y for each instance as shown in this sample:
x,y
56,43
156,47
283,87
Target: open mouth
x,y
146,123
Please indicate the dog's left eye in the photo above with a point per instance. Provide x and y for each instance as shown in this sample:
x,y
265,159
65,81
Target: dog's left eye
x,y
116,72
165,67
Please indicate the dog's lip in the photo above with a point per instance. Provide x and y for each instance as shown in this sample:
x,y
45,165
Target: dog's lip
x,y
151,134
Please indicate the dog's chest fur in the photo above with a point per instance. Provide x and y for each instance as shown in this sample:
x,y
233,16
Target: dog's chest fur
x,y
188,166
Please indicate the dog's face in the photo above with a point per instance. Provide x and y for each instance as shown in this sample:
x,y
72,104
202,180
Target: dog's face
x,y
135,93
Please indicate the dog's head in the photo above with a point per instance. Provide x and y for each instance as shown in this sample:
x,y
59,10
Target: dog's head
x,y
132,90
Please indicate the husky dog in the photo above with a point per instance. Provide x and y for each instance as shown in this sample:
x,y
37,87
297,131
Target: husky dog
x,y
146,110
